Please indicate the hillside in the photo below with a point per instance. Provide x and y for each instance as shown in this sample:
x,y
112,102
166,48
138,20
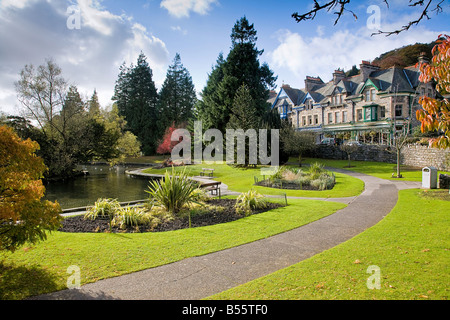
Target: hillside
x,y
402,57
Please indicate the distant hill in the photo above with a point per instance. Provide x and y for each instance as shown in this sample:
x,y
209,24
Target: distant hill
x,y
401,57
404,56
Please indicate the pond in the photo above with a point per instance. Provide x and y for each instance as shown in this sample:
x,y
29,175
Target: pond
x,y
103,181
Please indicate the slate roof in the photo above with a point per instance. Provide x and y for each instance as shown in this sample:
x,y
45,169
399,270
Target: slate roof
x,y
386,80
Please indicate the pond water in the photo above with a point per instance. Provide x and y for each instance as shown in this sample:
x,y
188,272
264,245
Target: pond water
x,y
103,181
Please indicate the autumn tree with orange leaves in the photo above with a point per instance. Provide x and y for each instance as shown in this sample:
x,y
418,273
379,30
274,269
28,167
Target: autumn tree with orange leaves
x,y
435,113
24,217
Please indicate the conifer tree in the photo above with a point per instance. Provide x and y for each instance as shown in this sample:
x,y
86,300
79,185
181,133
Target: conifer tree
x,y
242,66
177,96
136,97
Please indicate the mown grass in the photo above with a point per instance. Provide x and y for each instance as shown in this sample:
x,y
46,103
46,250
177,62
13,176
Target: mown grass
x,y
377,169
410,246
242,179
42,268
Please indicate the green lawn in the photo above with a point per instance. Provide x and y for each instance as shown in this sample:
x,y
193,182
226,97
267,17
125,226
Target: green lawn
x,y
43,267
377,169
242,180
410,246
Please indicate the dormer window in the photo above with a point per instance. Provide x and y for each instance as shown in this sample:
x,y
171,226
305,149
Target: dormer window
x,y
371,94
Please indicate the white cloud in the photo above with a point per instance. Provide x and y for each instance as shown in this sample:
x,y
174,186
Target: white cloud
x,y
89,57
182,8
297,56
179,29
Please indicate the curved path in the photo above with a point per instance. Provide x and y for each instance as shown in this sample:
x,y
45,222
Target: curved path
x,y
200,277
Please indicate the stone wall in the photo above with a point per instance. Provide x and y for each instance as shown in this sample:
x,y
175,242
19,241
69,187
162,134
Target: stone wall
x,y
422,156
412,155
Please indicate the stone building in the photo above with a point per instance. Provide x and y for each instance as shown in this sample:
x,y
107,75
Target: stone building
x,y
367,107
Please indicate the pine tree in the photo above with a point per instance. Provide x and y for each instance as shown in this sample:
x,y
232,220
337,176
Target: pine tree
x,y
94,105
244,116
208,109
242,66
136,97
177,96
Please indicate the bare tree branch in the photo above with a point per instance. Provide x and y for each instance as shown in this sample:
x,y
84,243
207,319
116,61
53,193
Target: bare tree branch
x,y
343,6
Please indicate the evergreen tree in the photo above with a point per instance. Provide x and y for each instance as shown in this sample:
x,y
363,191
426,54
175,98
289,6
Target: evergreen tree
x,y
94,105
242,66
244,117
208,109
136,97
177,96
243,113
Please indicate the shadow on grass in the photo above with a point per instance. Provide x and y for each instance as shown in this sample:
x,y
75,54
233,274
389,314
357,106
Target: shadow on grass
x,y
19,282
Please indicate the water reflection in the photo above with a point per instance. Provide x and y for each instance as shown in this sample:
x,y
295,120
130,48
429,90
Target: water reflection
x,y
103,181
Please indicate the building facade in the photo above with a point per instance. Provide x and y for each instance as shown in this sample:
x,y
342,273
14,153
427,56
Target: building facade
x,y
368,107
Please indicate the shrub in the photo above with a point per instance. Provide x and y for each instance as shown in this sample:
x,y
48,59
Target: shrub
x,y
173,192
315,170
251,200
200,195
103,208
132,217
323,182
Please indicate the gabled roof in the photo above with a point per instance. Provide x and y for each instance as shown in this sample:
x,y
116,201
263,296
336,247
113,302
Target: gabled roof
x,y
388,81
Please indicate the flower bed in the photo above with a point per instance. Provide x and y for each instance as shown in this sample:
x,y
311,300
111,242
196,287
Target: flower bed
x,y
314,178
216,211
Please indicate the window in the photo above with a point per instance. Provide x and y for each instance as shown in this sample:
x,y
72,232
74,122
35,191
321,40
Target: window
x,y
330,117
340,99
398,111
359,115
370,113
382,112
338,117
316,119
367,95
344,116
310,120
373,94
304,120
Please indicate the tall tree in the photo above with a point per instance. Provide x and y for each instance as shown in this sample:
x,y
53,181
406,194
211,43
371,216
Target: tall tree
x,y
242,66
42,92
244,116
136,97
177,96
94,105
208,107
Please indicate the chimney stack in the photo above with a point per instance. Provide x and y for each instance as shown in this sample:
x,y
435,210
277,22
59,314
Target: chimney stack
x,y
367,68
423,58
338,75
310,82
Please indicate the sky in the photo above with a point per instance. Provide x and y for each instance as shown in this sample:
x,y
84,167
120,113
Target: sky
x,y
90,39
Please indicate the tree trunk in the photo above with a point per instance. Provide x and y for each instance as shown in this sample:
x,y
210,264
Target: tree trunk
x,y
398,164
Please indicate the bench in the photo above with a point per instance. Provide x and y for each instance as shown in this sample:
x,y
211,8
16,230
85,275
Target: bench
x,y
206,171
213,186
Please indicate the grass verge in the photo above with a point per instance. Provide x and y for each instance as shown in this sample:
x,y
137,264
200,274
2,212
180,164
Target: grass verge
x,y
410,247
243,179
377,169
43,267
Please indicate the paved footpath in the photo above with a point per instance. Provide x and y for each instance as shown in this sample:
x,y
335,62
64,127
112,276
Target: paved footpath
x,y
199,277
